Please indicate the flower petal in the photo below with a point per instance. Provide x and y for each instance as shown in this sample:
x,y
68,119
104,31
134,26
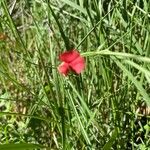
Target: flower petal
x,y
78,64
69,56
63,68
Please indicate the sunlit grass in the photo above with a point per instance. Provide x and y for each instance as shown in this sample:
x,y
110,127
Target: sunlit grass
x,y
106,106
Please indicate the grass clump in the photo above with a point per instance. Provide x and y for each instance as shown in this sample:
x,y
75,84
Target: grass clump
x,y
106,106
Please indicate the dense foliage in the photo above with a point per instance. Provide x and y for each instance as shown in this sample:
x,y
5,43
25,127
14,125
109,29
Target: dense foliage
x,y
104,107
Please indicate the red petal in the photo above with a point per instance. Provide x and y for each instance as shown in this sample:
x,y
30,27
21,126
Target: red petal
x,y
77,65
63,68
69,56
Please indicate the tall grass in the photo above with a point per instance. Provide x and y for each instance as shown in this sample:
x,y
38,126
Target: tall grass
x,y
106,106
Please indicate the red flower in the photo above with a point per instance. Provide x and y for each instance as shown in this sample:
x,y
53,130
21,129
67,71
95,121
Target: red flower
x,y
71,60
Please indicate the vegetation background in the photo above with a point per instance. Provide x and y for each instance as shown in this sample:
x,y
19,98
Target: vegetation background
x,y
105,107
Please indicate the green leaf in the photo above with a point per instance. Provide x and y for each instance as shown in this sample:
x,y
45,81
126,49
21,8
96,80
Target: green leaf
x,y
109,144
20,146
74,5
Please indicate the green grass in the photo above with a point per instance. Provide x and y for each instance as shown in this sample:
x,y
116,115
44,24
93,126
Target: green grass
x,y
106,106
